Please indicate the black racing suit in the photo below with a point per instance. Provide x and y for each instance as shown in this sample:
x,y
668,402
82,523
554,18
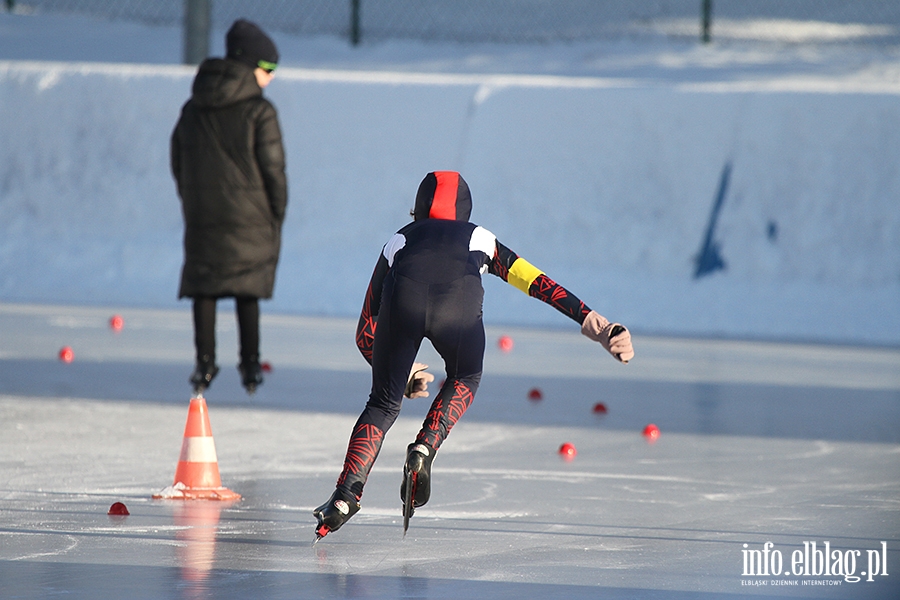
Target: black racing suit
x,y
427,284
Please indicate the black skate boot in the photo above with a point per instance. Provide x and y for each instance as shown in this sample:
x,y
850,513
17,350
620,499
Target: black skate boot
x,y
251,374
334,513
415,490
205,371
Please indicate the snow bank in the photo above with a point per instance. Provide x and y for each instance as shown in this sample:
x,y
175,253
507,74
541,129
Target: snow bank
x,y
607,185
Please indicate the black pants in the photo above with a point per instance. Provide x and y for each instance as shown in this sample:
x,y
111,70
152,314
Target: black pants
x,y
247,311
448,314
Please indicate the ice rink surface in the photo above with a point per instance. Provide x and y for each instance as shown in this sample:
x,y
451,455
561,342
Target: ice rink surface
x,y
784,443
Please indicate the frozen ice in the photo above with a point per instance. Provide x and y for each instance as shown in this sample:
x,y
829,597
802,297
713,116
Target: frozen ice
x,y
762,442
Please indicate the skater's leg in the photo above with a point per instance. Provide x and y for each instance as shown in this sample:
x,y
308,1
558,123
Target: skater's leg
x,y
398,336
365,443
457,333
397,339
456,330
247,311
362,450
204,314
452,401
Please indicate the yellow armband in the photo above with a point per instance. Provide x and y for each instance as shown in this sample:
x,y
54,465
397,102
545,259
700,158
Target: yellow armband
x,y
522,274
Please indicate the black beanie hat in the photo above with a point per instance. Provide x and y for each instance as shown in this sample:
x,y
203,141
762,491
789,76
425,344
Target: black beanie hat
x,y
443,195
247,43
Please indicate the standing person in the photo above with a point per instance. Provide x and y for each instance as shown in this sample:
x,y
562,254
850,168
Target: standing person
x,y
427,284
228,162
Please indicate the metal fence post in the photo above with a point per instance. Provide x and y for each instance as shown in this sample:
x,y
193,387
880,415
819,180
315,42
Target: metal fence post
x,y
706,18
196,31
354,22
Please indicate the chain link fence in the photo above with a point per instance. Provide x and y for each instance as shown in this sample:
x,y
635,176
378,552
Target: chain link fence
x,y
524,21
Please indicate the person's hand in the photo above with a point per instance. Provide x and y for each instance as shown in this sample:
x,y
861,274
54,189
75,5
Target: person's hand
x,y
419,378
612,336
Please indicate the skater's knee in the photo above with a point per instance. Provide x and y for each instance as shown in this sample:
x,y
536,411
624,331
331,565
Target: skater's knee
x,y
470,382
378,415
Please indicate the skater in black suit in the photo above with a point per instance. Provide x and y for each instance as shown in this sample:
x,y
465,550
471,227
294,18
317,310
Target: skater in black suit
x,y
427,284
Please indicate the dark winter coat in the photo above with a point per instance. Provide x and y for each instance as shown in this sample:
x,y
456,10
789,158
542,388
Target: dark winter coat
x,y
228,161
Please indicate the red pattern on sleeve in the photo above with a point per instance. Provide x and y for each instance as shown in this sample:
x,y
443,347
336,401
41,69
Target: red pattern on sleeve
x,y
365,329
368,317
545,289
501,262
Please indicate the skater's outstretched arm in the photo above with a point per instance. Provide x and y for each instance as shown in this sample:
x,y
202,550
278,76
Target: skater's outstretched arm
x,y
518,272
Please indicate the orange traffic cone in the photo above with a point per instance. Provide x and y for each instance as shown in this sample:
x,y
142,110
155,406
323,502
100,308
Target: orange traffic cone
x,y
197,474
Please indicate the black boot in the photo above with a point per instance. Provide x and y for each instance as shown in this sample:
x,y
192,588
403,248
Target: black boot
x,y
417,470
334,513
251,373
205,371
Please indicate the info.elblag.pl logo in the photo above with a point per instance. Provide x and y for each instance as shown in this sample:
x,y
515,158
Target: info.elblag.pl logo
x,y
813,560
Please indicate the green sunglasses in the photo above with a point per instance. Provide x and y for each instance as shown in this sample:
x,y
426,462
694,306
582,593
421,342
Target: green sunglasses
x,y
266,66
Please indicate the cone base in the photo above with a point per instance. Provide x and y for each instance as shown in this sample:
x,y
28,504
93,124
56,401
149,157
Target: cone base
x,y
179,491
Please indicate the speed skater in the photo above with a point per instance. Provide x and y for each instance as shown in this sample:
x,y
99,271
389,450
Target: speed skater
x,y
427,284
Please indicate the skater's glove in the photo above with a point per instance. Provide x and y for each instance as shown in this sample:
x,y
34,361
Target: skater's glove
x,y
612,336
419,378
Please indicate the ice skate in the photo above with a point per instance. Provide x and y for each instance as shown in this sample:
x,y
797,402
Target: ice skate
x,y
334,513
251,375
415,490
205,371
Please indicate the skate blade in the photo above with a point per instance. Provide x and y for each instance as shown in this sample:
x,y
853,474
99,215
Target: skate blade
x,y
321,532
408,508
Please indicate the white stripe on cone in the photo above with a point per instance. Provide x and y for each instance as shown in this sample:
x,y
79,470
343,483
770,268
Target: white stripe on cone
x,y
198,449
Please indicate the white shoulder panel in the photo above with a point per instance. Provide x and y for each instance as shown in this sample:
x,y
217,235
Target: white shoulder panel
x,y
394,245
483,240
